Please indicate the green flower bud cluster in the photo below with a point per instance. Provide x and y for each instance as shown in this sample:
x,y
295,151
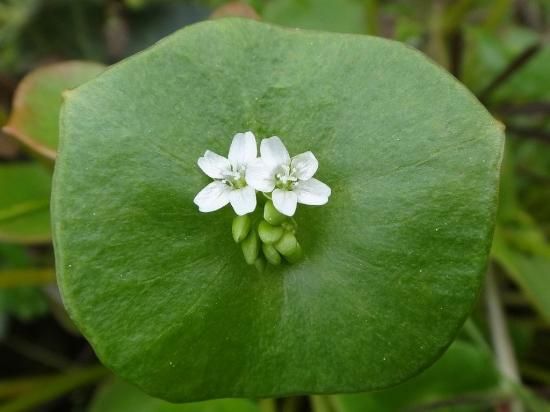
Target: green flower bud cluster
x,y
270,239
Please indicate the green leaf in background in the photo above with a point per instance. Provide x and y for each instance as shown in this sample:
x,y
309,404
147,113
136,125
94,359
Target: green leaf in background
x,y
464,372
346,16
519,245
392,265
487,54
24,203
35,115
533,160
119,396
531,83
530,271
22,302
14,15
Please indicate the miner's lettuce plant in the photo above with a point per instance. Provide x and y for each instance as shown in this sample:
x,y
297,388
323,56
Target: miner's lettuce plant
x,y
389,267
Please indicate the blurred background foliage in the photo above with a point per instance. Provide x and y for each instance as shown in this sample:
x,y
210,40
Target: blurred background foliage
x,y
498,48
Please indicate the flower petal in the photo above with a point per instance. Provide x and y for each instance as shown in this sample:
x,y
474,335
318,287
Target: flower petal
x,y
243,200
305,164
285,201
274,152
213,165
213,197
312,192
260,176
243,149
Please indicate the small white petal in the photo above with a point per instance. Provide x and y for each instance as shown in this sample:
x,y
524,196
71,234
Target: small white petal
x,y
274,152
260,176
213,165
213,197
285,201
312,192
305,164
243,200
243,149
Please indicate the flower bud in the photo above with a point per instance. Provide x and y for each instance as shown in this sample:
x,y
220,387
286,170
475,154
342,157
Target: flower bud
x,y
272,215
268,233
251,247
289,247
271,254
240,227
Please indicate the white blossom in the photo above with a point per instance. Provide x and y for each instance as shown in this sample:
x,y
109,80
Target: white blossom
x,y
229,174
290,180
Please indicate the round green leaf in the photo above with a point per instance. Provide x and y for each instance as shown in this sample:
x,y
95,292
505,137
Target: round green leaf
x,y
24,203
391,266
37,102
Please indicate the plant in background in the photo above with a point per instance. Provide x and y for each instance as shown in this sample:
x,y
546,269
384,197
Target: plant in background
x,y
316,305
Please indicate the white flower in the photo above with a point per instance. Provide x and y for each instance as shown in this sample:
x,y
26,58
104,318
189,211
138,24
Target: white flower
x,y
229,185
291,180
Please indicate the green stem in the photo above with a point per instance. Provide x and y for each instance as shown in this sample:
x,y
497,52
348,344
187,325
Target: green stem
x,y
26,277
50,388
504,351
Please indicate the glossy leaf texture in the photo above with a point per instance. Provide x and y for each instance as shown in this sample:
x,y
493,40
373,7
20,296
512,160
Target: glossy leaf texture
x,y
392,263
24,203
119,396
34,120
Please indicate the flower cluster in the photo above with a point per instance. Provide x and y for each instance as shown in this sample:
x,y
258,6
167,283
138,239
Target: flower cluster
x,y
236,178
284,182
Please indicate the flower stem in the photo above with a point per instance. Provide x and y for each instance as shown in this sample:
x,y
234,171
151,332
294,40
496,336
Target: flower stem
x,y
504,351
